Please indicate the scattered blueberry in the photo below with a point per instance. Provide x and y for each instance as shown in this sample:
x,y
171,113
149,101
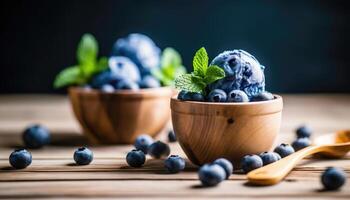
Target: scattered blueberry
x,y
20,159
217,95
126,84
36,136
135,158
304,131
143,142
211,174
159,150
237,96
190,96
107,88
174,164
251,162
333,178
171,136
123,67
284,150
301,143
83,156
269,157
263,96
226,165
277,156
149,82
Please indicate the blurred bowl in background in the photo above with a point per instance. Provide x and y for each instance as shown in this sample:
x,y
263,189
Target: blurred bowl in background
x,y
119,117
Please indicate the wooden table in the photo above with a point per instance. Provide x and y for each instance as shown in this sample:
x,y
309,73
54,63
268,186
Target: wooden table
x,y
53,174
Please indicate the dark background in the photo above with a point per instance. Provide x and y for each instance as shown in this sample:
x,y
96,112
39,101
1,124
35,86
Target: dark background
x,y
304,44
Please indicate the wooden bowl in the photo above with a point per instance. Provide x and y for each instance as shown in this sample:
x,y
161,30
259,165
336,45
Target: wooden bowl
x,y
207,131
119,117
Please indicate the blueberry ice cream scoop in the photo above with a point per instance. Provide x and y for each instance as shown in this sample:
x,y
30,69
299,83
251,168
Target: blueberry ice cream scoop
x,y
140,49
242,72
124,67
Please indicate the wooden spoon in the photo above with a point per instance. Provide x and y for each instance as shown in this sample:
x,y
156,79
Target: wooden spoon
x,y
275,172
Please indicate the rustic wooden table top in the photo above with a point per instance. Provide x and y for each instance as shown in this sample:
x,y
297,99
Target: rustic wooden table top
x,y
53,174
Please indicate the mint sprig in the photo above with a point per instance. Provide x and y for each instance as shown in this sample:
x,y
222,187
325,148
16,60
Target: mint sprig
x,y
87,66
171,67
202,74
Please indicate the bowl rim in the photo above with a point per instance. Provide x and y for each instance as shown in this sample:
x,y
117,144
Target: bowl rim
x,y
144,92
277,98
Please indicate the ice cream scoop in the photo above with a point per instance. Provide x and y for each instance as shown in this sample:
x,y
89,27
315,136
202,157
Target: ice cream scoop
x,y
140,49
242,72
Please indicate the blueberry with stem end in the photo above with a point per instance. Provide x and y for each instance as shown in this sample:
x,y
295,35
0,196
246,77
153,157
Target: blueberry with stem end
x,y
135,158
20,159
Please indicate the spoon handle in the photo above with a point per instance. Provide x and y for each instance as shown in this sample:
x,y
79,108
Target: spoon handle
x,y
275,172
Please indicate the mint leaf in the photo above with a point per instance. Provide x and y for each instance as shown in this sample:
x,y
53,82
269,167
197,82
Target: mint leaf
x,y
68,76
214,73
101,65
171,67
170,57
185,82
87,51
200,62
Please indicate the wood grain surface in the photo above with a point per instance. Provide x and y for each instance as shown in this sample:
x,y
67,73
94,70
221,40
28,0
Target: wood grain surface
x,y
53,174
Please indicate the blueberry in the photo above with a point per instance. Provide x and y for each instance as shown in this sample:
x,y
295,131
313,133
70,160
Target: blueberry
x,y
190,96
124,68
105,77
333,178
135,158
174,164
284,150
20,159
237,96
126,84
149,82
304,131
263,96
171,136
226,165
217,95
108,88
269,157
277,156
301,143
83,156
211,174
143,142
87,87
159,150
140,49
251,162
36,136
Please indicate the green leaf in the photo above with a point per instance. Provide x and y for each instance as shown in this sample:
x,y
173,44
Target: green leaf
x,y
101,65
170,57
214,73
87,51
157,73
68,76
171,67
185,82
200,62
